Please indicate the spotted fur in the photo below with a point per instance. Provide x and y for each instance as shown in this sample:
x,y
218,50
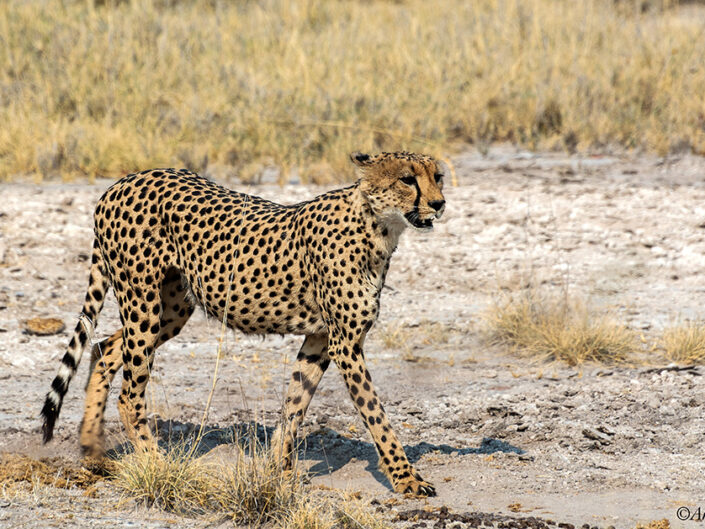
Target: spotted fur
x,y
168,240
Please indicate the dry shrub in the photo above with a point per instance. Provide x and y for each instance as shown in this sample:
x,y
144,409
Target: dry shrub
x,y
172,480
250,488
684,343
352,513
339,511
394,336
558,328
309,513
102,88
254,489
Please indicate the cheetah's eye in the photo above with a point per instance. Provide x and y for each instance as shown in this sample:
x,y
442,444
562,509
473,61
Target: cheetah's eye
x,y
438,177
408,180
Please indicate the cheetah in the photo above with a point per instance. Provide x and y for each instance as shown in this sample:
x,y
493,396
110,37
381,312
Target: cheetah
x,y
168,241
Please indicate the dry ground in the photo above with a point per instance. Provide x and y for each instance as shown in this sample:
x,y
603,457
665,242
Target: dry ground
x,y
594,444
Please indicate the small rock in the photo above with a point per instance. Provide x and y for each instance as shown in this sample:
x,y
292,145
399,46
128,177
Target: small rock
x,y
596,435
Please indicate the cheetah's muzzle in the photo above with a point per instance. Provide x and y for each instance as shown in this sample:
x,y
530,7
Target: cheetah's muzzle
x,y
418,223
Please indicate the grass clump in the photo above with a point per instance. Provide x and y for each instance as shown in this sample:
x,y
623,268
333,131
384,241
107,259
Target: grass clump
x,y
308,513
248,486
172,480
338,511
254,489
104,88
352,513
684,343
558,328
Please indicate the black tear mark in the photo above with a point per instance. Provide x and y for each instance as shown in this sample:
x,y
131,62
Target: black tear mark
x,y
417,200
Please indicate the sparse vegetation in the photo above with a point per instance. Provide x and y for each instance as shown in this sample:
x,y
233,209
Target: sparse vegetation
x,y
103,88
173,480
251,489
558,328
254,489
655,524
309,514
405,337
351,513
340,511
684,343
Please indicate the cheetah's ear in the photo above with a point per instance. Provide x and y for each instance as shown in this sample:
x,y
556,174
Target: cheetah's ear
x,y
361,159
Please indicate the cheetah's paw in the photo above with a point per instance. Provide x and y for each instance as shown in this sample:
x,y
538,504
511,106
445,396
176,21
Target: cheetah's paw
x,y
415,486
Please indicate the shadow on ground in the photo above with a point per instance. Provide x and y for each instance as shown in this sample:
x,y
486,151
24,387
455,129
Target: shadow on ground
x,y
333,451
329,450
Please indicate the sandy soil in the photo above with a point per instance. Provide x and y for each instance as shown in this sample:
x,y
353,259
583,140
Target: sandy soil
x,y
597,445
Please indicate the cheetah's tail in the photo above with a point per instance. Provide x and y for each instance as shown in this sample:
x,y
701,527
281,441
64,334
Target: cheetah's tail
x,y
97,287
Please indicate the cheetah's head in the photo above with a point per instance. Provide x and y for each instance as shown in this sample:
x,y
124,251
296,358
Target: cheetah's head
x,y
402,185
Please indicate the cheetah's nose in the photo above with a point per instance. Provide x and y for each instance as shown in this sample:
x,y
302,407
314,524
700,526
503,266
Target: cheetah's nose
x,y
438,206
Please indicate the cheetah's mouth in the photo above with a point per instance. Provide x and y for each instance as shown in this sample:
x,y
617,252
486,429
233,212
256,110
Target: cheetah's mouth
x,y
417,222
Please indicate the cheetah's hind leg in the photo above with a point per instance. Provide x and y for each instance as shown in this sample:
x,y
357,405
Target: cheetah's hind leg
x,y
107,358
311,363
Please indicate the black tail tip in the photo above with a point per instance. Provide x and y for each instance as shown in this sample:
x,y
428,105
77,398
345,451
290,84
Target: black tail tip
x,y
50,411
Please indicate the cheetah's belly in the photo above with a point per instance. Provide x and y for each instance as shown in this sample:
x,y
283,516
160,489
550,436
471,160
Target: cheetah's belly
x,y
256,302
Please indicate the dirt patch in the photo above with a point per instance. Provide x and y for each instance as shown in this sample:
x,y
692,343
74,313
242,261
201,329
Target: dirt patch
x,y
52,471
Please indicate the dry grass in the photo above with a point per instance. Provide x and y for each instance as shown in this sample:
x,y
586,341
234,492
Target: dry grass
x,y
254,489
172,480
406,337
351,513
249,488
684,343
309,514
655,524
339,511
54,472
105,89
558,328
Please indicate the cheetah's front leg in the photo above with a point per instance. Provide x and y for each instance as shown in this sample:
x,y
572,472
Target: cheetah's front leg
x,y
349,358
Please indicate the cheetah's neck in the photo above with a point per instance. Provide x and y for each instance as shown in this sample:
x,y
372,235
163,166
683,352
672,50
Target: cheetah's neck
x,y
383,230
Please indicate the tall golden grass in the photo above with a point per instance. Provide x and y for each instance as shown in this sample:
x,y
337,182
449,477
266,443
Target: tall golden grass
x,y
105,89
